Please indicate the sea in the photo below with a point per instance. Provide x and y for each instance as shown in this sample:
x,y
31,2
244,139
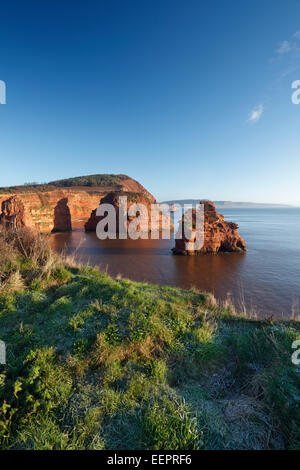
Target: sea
x,y
263,282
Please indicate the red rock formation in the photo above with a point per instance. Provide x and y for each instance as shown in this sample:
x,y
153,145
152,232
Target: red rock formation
x,y
132,186
14,214
163,221
45,213
41,205
218,234
62,217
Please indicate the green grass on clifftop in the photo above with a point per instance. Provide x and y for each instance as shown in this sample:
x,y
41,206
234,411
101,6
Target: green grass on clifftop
x,y
91,180
78,181
100,363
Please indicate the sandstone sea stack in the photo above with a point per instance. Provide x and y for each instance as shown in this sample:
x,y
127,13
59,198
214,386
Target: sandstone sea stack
x,y
219,236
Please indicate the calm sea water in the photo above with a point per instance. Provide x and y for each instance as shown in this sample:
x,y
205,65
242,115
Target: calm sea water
x,y
266,278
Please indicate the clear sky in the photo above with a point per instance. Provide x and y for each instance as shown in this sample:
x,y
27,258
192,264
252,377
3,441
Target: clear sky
x,y
192,98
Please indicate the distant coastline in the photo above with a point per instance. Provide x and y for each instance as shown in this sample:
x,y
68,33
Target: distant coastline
x,y
230,204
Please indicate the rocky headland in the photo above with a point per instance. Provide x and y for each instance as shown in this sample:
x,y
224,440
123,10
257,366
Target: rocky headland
x,y
60,205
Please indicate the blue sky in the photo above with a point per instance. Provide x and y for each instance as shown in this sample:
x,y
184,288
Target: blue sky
x,y
191,98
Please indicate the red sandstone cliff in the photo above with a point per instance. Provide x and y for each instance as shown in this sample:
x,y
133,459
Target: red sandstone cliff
x,y
218,234
43,208
14,214
56,207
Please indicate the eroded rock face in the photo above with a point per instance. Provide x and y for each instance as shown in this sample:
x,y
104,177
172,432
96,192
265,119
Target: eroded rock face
x,y
45,212
14,214
147,224
44,209
62,216
219,236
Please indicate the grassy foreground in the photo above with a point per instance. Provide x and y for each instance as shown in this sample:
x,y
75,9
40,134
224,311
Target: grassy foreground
x,y
99,363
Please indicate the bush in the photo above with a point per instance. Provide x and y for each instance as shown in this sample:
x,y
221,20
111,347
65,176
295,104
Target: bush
x,y
26,250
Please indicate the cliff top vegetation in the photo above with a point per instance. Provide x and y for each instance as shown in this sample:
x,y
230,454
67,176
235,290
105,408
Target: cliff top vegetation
x,y
105,180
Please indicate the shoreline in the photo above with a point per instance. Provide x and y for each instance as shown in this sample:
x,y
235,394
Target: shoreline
x,y
182,272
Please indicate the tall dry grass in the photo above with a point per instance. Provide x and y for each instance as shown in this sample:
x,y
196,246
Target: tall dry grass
x,y
23,253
